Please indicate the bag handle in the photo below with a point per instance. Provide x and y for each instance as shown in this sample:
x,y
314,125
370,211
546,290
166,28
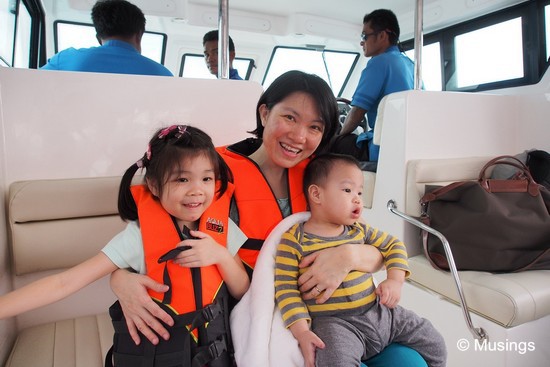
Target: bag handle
x,y
521,183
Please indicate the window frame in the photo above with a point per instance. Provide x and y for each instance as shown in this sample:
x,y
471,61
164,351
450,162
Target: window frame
x,y
534,59
37,41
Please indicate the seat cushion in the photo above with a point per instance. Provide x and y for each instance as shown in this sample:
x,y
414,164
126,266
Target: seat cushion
x,y
509,299
369,179
80,342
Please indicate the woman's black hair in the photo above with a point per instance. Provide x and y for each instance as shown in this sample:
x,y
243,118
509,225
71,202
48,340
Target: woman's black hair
x,y
297,81
165,151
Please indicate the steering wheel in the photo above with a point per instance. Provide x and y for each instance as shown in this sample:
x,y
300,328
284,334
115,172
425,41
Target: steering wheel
x,y
344,106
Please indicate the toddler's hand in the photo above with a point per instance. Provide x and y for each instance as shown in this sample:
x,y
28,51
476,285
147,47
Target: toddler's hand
x,y
389,292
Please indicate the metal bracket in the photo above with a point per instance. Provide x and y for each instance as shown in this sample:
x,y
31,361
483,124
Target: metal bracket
x,y
478,333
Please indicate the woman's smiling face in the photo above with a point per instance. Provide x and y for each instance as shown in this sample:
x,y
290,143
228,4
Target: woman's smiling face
x,y
293,129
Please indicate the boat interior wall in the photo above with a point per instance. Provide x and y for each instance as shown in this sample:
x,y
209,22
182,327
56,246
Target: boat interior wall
x,y
88,125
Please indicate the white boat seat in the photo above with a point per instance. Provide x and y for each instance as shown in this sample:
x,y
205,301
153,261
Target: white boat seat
x,y
507,299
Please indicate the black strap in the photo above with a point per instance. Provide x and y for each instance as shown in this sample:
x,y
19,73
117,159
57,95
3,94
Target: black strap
x,y
253,244
195,275
209,353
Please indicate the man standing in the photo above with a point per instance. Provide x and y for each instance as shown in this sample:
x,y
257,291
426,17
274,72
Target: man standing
x,y
388,71
210,44
119,27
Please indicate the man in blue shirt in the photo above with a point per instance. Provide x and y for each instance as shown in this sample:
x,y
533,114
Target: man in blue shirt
x,y
210,44
119,25
388,71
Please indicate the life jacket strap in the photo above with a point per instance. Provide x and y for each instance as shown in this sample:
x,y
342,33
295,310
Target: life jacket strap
x,y
209,353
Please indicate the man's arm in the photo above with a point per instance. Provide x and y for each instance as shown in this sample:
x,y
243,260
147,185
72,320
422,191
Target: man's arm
x,y
353,118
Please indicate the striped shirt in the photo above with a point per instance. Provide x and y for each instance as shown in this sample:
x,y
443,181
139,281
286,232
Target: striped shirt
x,y
356,293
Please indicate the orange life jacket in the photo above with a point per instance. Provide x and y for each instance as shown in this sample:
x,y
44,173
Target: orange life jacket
x,y
197,300
258,210
160,235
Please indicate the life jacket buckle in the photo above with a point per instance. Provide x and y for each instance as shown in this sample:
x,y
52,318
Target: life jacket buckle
x,y
211,311
216,348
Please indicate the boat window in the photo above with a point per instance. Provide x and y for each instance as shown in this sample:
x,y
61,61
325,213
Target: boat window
x,y
496,50
7,31
333,66
193,66
547,25
21,57
431,65
82,35
475,64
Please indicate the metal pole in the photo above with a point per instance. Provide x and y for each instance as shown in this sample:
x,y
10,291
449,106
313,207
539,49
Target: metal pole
x,y
418,43
478,333
223,39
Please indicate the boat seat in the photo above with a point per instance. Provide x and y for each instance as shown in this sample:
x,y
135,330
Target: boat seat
x,y
56,224
509,299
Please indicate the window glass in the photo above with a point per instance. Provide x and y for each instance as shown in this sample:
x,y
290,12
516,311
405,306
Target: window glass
x,y
7,32
431,65
193,66
83,36
501,45
333,66
22,38
547,24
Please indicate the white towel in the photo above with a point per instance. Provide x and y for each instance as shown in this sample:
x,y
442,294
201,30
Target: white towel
x,y
259,335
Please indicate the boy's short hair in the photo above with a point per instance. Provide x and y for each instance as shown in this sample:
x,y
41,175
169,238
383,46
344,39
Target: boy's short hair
x,y
319,168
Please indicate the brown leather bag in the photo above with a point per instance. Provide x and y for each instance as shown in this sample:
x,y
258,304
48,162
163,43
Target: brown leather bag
x,y
491,225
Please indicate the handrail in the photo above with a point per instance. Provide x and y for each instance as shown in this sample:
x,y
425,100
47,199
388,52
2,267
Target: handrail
x,y
478,333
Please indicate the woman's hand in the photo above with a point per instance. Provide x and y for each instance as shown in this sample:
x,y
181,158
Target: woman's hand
x,y
329,267
140,311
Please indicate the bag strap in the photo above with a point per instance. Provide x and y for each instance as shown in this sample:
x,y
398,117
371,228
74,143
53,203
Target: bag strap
x,y
435,194
522,182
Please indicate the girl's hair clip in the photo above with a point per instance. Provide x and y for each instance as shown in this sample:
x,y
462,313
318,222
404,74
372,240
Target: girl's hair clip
x,y
146,156
181,130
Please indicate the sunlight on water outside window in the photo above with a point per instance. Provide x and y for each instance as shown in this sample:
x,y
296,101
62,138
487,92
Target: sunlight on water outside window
x,y
479,51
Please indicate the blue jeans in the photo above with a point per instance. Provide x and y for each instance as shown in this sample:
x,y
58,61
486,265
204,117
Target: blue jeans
x,y
396,355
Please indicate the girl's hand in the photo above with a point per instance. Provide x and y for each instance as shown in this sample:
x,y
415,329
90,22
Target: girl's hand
x,y
204,251
140,311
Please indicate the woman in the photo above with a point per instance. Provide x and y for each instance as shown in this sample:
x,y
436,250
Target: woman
x,y
295,118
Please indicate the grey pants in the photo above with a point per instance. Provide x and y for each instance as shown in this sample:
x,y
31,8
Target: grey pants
x,y
351,339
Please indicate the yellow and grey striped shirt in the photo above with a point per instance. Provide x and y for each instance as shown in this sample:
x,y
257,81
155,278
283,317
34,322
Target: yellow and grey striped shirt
x,y
356,293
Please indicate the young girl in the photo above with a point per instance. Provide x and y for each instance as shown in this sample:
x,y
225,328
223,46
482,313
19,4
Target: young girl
x,y
187,192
